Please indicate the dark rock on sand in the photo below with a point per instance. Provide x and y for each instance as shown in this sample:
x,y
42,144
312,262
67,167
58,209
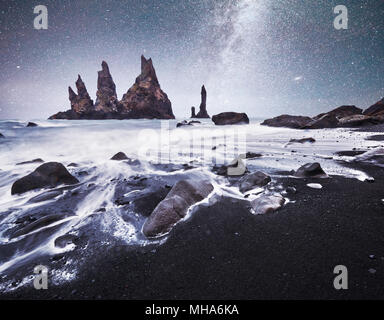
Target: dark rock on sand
x,y
325,121
341,112
229,118
46,196
359,120
175,206
349,153
31,124
310,170
253,180
377,137
40,223
375,156
120,156
285,120
186,123
252,155
182,124
343,116
376,109
30,161
203,114
234,168
267,203
303,140
145,99
50,174
65,240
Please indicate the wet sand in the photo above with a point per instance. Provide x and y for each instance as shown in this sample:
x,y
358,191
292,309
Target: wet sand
x,y
225,252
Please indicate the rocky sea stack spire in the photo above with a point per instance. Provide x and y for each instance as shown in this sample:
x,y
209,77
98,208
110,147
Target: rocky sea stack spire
x,y
81,103
202,114
144,99
106,100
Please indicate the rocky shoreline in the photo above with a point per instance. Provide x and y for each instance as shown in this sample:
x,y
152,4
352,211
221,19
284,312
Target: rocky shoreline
x,y
289,254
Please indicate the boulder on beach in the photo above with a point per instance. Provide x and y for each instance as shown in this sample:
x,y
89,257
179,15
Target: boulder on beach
x,y
267,203
310,170
120,156
359,121
229,118
341,112
50,174
235,168
253,180
376,109
31,125
174,207
325,121
339,117
288,121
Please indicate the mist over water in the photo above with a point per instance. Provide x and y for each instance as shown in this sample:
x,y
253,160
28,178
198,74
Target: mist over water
x,y
90,208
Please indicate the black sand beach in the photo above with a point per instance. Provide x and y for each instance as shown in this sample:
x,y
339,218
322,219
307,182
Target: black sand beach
x,y
225,252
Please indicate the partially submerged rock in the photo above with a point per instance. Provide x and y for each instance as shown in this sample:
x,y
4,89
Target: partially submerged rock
x,y
375,156
235,168
49,175
288,121
174,207
31,124
1,136
303,140
229,118
253,180
310,170
38,160
65,240
40,223
267,203
120,156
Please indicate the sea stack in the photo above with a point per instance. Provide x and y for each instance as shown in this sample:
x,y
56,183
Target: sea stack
x,y
81,103
106,100
193,112
145,99
203,114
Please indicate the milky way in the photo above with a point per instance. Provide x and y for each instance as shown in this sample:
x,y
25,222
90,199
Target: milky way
x,y
263,57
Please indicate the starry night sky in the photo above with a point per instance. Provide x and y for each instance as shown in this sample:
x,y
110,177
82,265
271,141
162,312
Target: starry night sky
x,y
263,57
